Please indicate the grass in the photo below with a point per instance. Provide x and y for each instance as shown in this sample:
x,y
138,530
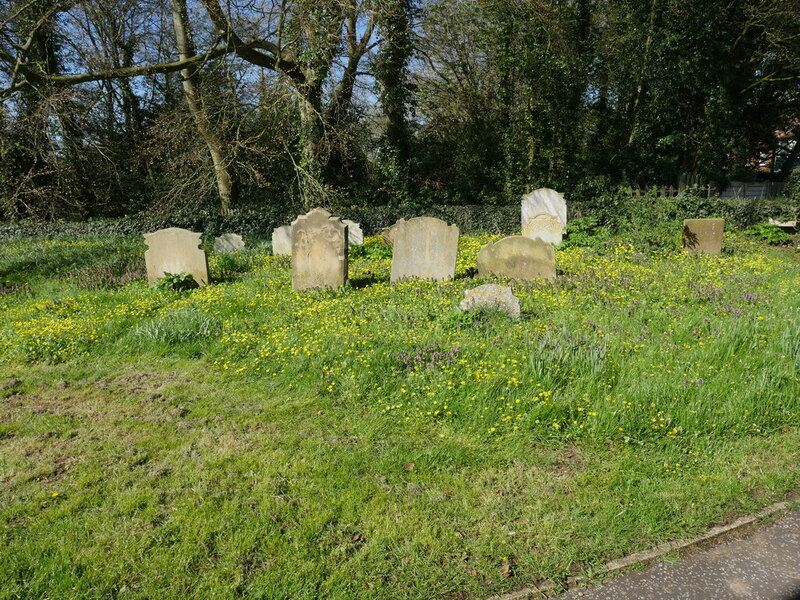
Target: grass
x,y
242,441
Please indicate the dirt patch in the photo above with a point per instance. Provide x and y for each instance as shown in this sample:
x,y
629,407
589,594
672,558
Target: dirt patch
x,y
567,462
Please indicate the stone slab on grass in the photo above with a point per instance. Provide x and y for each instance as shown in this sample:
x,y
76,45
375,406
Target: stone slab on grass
x,y
319,251
703,236
518,257
227,243
493,297
424,248
174,250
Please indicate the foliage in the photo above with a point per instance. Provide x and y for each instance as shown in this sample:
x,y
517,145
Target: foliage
x,y
177,282
585,232
371,248
769,234
471,103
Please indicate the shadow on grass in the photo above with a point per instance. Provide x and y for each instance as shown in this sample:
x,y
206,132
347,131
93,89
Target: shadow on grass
x,y
367,280
45,261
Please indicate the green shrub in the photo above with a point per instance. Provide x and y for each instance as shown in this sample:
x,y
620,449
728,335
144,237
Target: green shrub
x,y
177,282
769,234
371,250
585,232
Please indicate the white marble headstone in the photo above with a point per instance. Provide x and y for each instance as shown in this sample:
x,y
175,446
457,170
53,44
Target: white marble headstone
x,y
228,242
282,241
544,215
354,233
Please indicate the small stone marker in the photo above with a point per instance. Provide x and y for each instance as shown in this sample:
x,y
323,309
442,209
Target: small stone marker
x,y
518,257
544,215
492,296
424,248
282,241
319,251
355,237
703,236
172,251
228,242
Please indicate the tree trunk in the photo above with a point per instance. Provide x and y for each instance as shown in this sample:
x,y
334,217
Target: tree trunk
x,y
634,111
189,80
311,174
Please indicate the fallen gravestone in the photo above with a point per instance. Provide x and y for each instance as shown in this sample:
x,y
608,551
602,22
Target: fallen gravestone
x,y
491,296
544,215
355,236
424,248
703,236
786,226
518,257
227,243
319,251
282,241
172,251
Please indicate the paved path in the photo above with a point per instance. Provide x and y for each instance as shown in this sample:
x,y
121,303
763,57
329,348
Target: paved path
x,y
764,565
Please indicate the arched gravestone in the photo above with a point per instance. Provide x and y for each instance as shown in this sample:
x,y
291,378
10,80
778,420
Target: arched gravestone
x,y
518,257
703,236
544,215
319,251
424,248
282,241
172,251
227,243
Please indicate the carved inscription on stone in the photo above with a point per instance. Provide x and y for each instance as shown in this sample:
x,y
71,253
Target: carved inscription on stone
x,y
518,257
319,251
424,248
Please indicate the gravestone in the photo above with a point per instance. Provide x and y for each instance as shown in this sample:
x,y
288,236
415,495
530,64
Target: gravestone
x,y
492,296
229,242
172,251
387,234
786,226
518,257
703,236
355,236
319,251
282,241
544,215
424,248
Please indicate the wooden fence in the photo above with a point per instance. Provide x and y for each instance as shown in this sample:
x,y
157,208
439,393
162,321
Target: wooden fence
x,y
750,190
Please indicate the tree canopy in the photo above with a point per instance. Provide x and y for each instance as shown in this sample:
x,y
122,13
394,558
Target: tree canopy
x,y
115,106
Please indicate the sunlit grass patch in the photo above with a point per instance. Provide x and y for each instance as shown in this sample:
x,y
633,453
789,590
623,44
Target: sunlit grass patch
x,y
374,441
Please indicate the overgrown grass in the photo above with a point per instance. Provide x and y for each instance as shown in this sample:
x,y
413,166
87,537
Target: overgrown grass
x,y
244,441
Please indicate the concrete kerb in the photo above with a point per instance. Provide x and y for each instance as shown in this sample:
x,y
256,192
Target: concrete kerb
x,y
715,535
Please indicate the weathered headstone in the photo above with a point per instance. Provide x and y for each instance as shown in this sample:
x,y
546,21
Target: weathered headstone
x,y
172,251
544,215
703,236
424,248
228,242
355,236
387,234
319,251
492,296
518,257
282,241
786,226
